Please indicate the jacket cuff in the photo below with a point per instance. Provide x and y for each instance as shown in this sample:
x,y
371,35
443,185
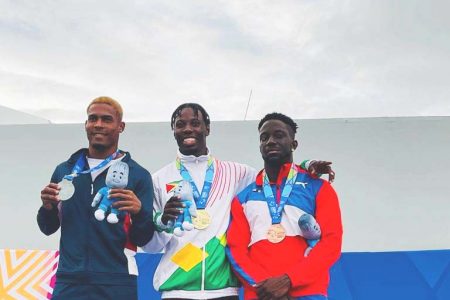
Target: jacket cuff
x,y
48,212
159,225
140,216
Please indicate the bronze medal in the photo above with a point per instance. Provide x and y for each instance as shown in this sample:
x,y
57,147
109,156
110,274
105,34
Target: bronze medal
x,y
202,220
276,233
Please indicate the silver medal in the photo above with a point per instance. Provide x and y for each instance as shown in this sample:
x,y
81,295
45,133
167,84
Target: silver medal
x,y
67,189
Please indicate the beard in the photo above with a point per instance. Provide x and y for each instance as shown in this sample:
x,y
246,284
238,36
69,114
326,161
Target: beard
x,y
278,160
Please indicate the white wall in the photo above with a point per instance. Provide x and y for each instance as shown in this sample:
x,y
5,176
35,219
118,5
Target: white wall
x,y
391,173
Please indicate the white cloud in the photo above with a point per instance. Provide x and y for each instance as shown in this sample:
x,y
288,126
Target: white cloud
x,y
310,59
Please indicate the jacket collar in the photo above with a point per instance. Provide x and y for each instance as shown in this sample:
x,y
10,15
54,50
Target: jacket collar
x,y
191,158
83,151
284,171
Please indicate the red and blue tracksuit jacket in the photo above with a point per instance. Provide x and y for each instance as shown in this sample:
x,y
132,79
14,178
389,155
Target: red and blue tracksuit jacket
x,y
255,259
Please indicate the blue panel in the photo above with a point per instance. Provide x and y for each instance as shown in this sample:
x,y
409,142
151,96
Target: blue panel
x,y
338,288
390,275
419,275
147,264
443,285
432,264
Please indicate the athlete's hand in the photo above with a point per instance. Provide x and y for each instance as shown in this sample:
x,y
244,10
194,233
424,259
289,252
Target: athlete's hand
x,y
317,167
49,195
274,288
128,202
172,209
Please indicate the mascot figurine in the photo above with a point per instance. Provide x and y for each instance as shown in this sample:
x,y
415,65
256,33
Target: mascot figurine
x,y
184,220
310,231
116,178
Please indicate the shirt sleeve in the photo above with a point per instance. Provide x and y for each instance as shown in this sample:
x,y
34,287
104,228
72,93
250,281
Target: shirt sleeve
x,y
142,228
238,239
48,220
160,238
328,250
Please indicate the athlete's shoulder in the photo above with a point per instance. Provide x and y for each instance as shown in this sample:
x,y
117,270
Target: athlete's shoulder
x,y
236,165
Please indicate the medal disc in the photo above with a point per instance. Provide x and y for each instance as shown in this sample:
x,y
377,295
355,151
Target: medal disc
x,y
276,233
67,189
202,220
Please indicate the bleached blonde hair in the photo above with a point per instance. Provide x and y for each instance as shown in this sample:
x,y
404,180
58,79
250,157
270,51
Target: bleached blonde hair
x,y
109,101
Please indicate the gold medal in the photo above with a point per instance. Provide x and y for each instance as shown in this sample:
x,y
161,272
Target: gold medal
x,y
276,233
202,220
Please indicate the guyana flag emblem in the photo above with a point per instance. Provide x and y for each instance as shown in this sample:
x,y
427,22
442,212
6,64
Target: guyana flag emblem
x,y
172,185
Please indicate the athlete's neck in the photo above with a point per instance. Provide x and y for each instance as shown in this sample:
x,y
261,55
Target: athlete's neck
x,y
101,153
273,168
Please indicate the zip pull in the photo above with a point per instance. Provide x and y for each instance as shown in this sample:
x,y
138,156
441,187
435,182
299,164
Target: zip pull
x,y
92,188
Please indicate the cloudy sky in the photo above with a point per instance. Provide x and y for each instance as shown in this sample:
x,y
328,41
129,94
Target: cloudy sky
x,y
307,58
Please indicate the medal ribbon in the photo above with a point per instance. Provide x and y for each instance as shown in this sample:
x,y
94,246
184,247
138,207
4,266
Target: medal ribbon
x,y
79,166
275,209
200,199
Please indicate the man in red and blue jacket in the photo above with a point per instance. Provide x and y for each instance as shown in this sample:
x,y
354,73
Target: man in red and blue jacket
x,y
265,243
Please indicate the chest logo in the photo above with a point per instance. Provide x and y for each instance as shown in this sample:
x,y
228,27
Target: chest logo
x,y
303,184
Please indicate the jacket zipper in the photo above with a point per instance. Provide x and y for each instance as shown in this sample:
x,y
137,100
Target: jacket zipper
x,y
203,270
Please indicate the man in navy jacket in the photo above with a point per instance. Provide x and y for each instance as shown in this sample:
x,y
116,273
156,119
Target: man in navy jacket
x,y
96,258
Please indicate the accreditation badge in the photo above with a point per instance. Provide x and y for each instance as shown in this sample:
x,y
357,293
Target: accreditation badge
x,y
202,220
276,233
67,189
